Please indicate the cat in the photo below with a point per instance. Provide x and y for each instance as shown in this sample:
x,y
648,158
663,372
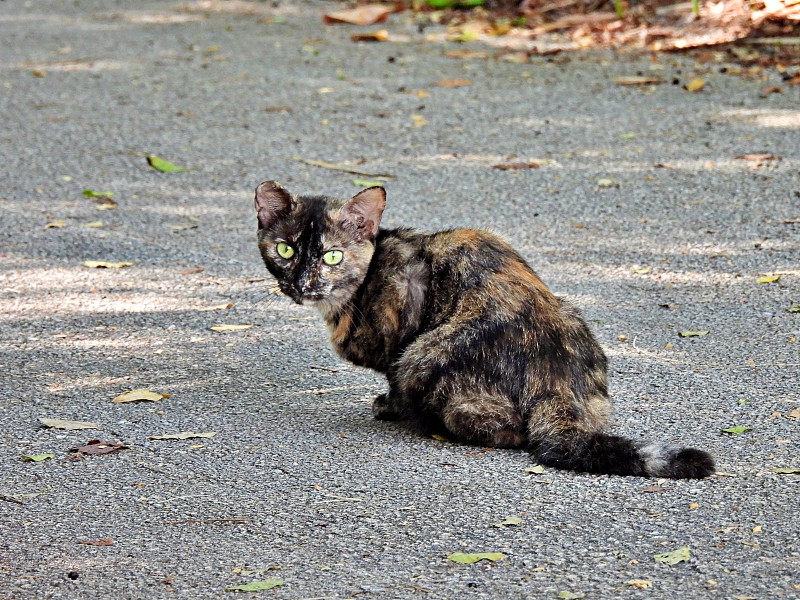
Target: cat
x,y
471,341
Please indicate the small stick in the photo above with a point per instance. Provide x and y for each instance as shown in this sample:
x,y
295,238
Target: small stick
x,y
233,520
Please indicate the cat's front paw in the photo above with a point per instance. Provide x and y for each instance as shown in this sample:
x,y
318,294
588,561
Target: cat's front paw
x,y
383,410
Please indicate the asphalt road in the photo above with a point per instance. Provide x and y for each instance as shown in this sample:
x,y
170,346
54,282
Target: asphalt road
x,y
642,214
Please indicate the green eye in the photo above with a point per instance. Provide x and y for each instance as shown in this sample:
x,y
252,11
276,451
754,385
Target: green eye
x,y
332,257
285,250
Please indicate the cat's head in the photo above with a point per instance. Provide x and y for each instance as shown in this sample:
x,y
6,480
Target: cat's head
x,y
318,248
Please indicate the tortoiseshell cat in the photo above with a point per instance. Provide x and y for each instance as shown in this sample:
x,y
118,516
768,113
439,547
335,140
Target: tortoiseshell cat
x,y
471,341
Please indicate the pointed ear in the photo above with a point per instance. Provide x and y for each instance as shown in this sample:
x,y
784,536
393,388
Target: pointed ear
x,y
271,202
363,212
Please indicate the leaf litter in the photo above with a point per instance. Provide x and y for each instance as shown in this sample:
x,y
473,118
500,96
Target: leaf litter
x,y
471,558
367,14
37,457
104,264
98,448
682,554
256,586
67,425
139,396
159,164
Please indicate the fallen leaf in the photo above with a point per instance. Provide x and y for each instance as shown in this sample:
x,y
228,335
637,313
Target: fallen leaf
x,y
638,80
368,14
230,327
278,109
101,542
367,183
786,470
381,35
39,73
641,270
757,529
695,85
466,54
453,83
794,308
68,425
159,164
628,136
769,279
693,333
59,224
93,194
674,557
508,521
139,396
606,182
102,264
94,224
795,414
104,203
334,167
534,470
37,457
182,227
653,489
758,157
439,4
440,438
642,584
216,307
419,120
569,595
693,505
98,448
256,586
516,166
771,90
184,435
468,559
192,271
736,430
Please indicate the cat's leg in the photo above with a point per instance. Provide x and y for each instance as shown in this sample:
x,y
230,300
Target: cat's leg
x,y
484,418
385,408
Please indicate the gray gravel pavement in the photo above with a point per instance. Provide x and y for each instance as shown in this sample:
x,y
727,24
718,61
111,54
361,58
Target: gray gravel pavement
x,y
299,482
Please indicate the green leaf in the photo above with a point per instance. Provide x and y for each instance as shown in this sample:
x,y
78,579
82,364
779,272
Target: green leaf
x,y
674,557
455,3
769,279
512,520
367,183
162,165
93,194
628,136
794,308
569,595
468,559
736,430
743,401
256,586
786,470
37,457
693,333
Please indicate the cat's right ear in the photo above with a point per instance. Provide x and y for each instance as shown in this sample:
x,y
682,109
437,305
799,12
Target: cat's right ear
x,y
271,202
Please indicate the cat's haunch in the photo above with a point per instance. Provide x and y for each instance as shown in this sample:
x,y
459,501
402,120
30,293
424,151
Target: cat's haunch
x,y
471,341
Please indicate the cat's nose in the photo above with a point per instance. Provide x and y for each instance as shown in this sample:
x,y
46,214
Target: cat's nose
x,y
304,284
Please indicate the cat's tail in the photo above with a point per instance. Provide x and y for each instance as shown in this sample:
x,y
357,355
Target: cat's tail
x,y
614,455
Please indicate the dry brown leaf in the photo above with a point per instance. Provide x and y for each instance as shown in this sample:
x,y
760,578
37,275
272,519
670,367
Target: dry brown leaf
x,y
466,54
638,80
183,435
453,83
97,448
139,396
695,85
230,327
103,264
278,109
101,542
381,35
368,14
216,307
192,271
771,90
67,425
517,166
795,414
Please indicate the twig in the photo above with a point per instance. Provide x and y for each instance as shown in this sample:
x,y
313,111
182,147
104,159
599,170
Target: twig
x,y
11,499
334,167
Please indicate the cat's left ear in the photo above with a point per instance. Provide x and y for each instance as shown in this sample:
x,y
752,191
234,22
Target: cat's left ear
x,y
271,202
364,210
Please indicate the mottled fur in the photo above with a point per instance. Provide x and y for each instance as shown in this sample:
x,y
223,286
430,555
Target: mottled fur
x,y
471,341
